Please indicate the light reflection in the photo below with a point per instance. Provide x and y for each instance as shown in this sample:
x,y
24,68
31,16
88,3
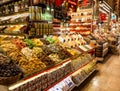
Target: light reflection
x,y
95,82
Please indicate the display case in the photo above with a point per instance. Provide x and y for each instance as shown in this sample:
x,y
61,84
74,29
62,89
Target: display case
x,y
51,69
81,21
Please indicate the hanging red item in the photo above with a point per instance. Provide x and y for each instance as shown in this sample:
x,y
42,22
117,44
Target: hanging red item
x,y
73,2
58,2
85,2
103,16
51,2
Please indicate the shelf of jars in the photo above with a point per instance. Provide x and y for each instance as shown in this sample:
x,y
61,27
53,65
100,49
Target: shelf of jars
x,y
81,21
15,13
25,17
3,2
13,7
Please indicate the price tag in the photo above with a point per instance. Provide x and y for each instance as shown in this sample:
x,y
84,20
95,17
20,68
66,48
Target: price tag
x,y
88,46
61,39
62,86
83,48
69,83
57,88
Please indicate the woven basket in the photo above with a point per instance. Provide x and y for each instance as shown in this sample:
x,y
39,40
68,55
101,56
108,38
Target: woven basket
x,y
9,80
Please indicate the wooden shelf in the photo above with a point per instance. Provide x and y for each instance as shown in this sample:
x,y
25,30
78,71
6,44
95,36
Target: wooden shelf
x,y
83,50
99,58
79,23
7,2
15,13
12,34
84,16
56,22
40,5
17,23
41,21
81,30
36,36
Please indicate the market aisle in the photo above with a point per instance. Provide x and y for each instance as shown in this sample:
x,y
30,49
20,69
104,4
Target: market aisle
x,y
107,79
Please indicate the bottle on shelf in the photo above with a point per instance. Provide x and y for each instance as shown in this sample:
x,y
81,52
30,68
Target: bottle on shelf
x,y
0,10
9,8
12,7
32,12
19,5
16,7
6,9
3,9
26,3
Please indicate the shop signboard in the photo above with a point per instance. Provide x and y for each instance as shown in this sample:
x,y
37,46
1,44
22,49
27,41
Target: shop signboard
x,y
103,16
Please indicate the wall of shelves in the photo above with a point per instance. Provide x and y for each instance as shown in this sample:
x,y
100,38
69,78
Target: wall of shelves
x,y
33,15
81,21
35,18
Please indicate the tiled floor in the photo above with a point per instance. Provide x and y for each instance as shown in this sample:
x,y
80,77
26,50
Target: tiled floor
x,y
106,79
